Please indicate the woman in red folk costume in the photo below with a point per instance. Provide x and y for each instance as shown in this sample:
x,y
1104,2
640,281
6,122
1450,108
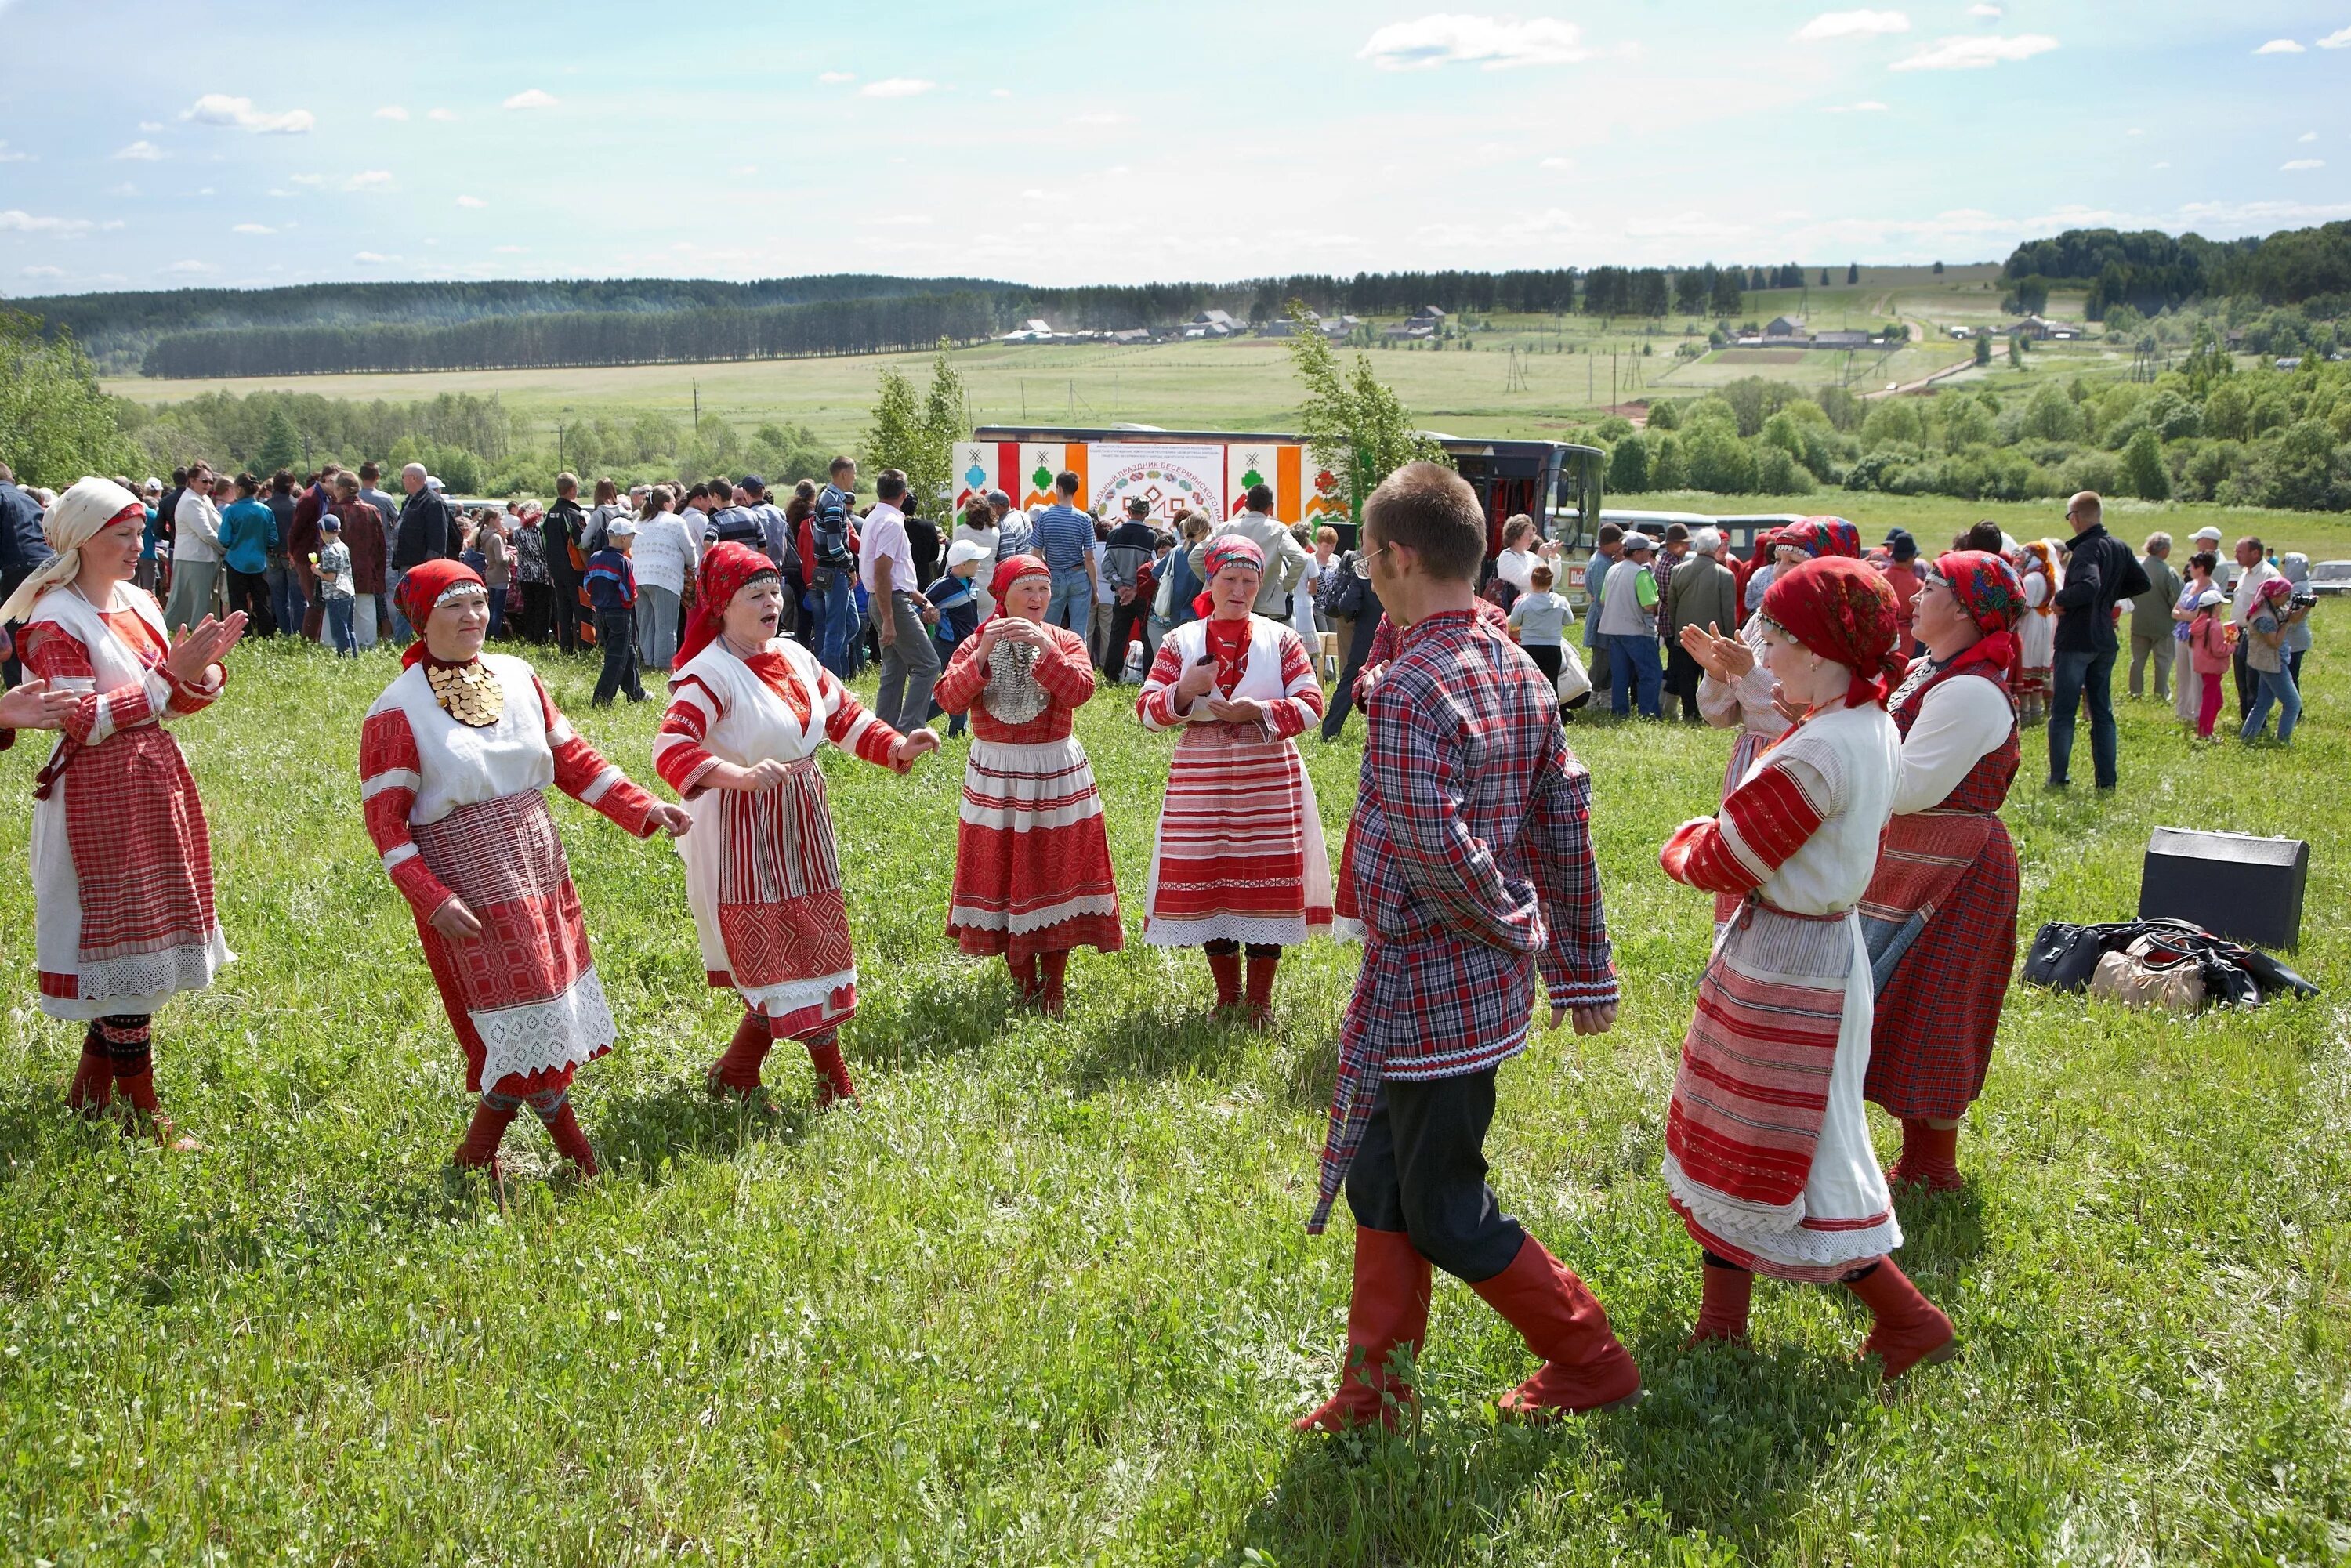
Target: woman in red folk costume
x,y
1033,877
1768,1158
455,761
748,710
122,861
1239,857
1940,914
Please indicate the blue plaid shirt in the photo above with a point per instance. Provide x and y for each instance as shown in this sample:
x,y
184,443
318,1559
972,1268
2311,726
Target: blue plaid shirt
x,y
1064,536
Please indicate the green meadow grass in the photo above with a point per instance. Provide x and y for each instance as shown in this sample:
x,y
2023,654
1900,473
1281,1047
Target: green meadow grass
x,y
1046,1296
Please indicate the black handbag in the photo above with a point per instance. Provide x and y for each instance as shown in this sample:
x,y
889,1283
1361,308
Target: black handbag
x,y
2064,956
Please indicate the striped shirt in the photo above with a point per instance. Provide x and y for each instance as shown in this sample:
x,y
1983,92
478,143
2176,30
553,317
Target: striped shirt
x,y
1064,536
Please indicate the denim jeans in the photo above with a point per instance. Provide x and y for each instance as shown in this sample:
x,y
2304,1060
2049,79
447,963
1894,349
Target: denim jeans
x,y
286,600
2276,686
402,631
828,612
656,627
1632,664
1072,604
2078,672
338,625
365,608
616,638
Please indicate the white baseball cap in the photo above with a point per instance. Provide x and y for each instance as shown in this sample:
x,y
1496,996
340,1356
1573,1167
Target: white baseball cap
x,y
964,550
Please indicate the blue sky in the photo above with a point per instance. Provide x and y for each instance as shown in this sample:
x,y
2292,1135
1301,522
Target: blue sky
x,y
151,145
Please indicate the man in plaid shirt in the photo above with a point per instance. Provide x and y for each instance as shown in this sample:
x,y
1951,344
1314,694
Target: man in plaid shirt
x,y
1473,873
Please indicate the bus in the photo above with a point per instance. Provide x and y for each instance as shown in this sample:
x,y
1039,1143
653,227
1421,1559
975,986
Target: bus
x,y
1556,482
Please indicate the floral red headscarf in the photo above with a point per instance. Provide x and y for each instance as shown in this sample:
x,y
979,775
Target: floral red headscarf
x,y
422,589
727,571
1821,537
1224,551
1992,596
1010,570
1842,609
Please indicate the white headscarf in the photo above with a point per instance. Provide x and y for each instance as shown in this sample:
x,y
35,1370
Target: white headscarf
x,y
72,523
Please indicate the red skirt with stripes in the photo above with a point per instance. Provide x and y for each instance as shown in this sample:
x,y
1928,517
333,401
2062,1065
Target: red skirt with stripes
x,y
1032,862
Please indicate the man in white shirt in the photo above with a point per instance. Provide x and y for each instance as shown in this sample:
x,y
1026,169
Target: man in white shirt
x,y
195,552
2256,570
1285,557
885,562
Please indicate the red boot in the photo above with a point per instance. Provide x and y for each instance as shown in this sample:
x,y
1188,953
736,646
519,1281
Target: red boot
x,y
569,1141
1584,1368
1388,1311
1023,971
1261,988
1911,1331
738,1068
1227,968
833,1080
138,1088
93,1080
1053,997
1723,1309
480,1149
1931,1157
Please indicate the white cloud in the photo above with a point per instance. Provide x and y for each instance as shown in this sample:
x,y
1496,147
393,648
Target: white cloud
x,y
896,86
2163,165
1558,164
835,78
1965,54
151,125
8,157
2307,136
444,115
512,249
1867,106
2280,46
1101,117
252,229
744,171
15,220
368,180
2338,39
1993,12
472,202
1851,24
43,272
530,98
2295,165
220,108
392,111
1496,43
308,179
191,268
124,189
144,152
368,256
999,93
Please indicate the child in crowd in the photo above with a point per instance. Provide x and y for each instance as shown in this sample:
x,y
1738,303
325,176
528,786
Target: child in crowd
x,y
2210,655
957,599
1538,623
334,563
612,589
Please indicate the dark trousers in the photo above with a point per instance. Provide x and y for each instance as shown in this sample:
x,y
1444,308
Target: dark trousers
x,y
538,599
1422,1170
250,592
2248,685
563,596
1359,646
1682,676
1123,621
2076,675
616,633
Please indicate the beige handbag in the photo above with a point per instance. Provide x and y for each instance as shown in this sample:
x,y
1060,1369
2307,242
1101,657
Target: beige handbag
x,y
2147,974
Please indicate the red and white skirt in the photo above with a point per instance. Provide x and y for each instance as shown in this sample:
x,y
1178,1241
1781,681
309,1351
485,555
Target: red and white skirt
x,y
1239,855
1768,1158
523,996
1033,862
762,879
122,881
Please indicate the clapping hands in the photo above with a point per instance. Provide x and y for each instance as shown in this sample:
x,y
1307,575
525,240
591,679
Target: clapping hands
x,y
200,647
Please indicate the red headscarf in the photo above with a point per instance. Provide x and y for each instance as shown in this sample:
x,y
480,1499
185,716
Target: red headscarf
x,y
727,571
1010,570
1839,608
1224,551
423,588
1822,536
1992,596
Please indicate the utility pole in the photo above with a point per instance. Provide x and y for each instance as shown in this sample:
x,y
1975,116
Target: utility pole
x,y
558,446
697,405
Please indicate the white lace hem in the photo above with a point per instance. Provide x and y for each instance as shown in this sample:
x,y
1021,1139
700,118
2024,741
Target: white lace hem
x,y
535,1036
1032,920
1283,930
140,983
1760,1231
788,996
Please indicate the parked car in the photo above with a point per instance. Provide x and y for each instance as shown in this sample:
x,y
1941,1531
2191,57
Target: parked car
x,y
2331,577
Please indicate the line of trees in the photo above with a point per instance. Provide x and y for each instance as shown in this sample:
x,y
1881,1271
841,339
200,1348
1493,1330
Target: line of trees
x,y
2151,271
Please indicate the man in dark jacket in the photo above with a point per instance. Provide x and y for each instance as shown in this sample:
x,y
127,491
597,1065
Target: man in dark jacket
x,y
23,549
565,527
2100,570
427,531
1350,598
303,541
1129,550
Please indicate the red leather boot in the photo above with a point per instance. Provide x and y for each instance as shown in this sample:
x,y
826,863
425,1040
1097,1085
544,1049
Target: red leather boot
x,y
1388,1311
737,1068
833,1080
480,1149
1722,1306
1261,987
1052,996
1584,1368
93,1080
563,1126
1931,1157
1911,1331
1227,968
1023,971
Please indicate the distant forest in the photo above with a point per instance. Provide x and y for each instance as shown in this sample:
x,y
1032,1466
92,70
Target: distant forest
x,y
2151,271
328,328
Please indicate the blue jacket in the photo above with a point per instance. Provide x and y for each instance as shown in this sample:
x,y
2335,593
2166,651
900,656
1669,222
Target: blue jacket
x,y
248,532
22,547
958,610
612,581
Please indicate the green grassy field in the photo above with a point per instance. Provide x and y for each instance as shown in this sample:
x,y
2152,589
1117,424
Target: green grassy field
x,y
1526,376
1046,1297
